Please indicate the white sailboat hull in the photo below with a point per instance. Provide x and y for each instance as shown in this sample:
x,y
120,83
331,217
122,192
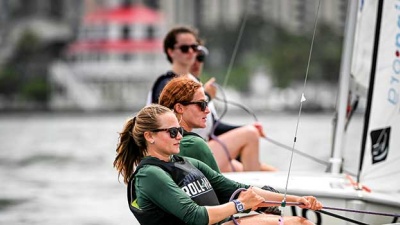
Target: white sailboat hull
x,y
332,190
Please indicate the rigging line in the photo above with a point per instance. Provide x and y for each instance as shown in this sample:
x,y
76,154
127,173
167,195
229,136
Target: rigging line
x,y
228,72
279,144
297,151
215,137
232,60
340,209
304,154
246,109
341,217
363,211
301,101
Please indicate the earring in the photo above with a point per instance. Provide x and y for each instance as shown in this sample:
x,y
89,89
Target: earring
x,y
152,142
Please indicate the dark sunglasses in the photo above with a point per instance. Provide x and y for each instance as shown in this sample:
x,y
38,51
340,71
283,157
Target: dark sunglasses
x,y
185,48
200,58
173,131
202,104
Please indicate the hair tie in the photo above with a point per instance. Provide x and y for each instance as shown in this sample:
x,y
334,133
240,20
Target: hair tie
x,y
134,120
133,127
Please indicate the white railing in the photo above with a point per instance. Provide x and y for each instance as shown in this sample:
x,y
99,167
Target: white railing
x,y
78,94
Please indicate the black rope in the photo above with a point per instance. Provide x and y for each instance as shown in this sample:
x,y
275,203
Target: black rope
x,y
339,209
341,217
246,109
215,137
277,143
297,151
363,211
228,73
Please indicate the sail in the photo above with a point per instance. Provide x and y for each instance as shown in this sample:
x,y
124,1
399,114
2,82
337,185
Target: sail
x,y
362,50
380,169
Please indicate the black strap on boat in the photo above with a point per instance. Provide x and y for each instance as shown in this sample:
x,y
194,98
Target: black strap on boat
x,y
341,217
394,215
363,211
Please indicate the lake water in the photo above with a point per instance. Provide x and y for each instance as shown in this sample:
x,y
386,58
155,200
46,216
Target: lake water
x,y
57,168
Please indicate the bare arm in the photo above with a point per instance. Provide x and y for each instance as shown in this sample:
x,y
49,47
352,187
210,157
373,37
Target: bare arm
x,y
309,202
249,198
210,88
220,212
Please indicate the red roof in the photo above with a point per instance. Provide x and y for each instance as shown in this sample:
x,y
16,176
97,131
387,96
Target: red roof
x,y
133,14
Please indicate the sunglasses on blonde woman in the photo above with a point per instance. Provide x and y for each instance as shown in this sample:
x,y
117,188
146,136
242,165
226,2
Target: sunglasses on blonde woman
x,y
202,104
173,131
185,48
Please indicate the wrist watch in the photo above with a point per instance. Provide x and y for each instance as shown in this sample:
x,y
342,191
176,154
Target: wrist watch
x,y
239,205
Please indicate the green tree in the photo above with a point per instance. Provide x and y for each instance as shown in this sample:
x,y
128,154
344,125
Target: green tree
x,y
22,77
9,81
267,45
36,89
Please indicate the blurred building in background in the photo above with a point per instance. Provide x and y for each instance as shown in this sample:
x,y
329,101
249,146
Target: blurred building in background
x,y
108,52
112,62
51,20
295,15
32,34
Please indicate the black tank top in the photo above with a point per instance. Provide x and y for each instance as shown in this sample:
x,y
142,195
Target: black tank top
x,y
191,180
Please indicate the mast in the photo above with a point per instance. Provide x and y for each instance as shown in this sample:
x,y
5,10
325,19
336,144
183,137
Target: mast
x,y
345,68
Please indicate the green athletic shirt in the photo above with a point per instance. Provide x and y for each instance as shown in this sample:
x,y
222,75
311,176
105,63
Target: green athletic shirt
x,y
196,147
155,188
